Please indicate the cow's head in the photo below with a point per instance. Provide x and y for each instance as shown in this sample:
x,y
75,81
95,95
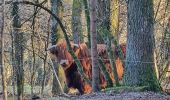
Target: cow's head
x,y
60,50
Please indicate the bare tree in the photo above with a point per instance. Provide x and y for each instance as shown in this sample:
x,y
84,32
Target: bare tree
x,y
86,8
95,67
54,39
76,21
18,45
2,67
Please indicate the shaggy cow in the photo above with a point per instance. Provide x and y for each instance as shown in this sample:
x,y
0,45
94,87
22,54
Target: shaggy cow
x,y
73,77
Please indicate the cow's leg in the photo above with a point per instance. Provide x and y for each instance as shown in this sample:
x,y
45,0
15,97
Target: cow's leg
x,y
74,78
78,82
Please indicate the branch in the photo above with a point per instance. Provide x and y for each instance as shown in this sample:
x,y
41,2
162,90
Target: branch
x,y
65,35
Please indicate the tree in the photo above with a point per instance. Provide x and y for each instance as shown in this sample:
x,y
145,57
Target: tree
x,y
33,71
55,5
76,21
164,61
2,67
19,48
86,7
114,17
139,67
95,67
64,33
104,24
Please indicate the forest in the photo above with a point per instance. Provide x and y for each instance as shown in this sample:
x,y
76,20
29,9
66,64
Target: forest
x,y
84,49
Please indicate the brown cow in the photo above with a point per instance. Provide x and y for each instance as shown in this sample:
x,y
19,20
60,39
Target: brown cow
x,y
73,77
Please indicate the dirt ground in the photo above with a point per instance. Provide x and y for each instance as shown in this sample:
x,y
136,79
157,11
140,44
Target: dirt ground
x,y
116,96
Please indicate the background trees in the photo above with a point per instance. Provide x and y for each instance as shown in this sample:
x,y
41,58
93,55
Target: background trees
x,y
31,53
2,66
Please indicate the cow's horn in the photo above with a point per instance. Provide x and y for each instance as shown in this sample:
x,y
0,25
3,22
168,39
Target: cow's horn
x,y
76,45
52,47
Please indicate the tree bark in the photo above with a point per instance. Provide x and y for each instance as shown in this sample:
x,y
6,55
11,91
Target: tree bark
x,y
18,44
95,66
76,21
2,67
86,7
56,89
139,68
114,17
103,19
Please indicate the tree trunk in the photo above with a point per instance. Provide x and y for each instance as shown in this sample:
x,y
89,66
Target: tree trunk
x,y
54,38
18,44
104,27
86,7
164,61
114,17
33,50
95,66
103,19
139,68
45,61
13,67
2,67
76,22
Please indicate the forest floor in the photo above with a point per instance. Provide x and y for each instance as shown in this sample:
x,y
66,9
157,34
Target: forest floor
x,y
115,96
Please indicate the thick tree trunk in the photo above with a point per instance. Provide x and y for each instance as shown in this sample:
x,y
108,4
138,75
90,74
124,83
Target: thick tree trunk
x,y
2,67
95,66
76,22
139,69
56,89
18,43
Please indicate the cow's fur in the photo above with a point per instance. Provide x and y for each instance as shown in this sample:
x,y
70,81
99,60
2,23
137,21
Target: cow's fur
x,y
73,77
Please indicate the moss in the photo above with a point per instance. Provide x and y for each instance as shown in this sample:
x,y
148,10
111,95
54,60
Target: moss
x,y
126,88
149,79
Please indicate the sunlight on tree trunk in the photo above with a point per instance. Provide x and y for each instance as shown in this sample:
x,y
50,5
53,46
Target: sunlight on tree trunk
x,y
114,17
139,68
